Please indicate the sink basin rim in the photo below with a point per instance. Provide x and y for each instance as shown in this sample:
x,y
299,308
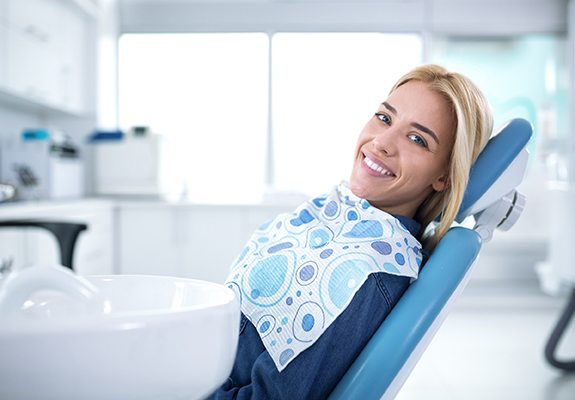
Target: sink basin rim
x,y
120,320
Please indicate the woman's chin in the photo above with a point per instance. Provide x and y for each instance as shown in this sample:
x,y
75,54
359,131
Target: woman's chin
x,y
359,189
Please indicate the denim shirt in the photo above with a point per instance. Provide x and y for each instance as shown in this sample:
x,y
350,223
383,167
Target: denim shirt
x,y
314,373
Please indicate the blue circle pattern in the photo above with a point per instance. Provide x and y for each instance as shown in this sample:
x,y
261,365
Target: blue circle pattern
x,y
344,279
352,215
331,210
309,320
266,325
307,273
344,241
326,253
319,237
266,281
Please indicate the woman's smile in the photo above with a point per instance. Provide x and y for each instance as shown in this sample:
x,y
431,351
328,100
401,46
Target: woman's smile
x,y
376,168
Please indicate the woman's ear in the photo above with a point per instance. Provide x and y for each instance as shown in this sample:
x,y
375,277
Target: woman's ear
x,y
441,183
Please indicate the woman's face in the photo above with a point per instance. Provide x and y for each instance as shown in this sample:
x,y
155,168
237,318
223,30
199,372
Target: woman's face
x,y
402,153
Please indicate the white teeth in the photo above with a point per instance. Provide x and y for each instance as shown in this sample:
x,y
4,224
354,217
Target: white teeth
x,y
372,165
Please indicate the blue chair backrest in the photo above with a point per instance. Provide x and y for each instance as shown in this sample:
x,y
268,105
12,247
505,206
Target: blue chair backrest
x,y
391,354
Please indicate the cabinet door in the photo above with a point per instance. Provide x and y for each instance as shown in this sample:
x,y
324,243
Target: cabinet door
x,y
29,66
32,15
95,254
3,52
31,63
45,52
70,49
214,237
151,240
94,250
13,247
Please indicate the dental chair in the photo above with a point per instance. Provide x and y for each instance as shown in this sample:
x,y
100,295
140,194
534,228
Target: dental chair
x,y
391,354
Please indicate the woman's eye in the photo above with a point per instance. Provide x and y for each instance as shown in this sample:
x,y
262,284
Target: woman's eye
x,y
418,140
383,118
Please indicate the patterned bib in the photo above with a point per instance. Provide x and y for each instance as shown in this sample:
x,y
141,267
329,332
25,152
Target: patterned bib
x,y
299,272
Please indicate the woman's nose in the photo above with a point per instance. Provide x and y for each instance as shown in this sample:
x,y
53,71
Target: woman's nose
x,y
384,142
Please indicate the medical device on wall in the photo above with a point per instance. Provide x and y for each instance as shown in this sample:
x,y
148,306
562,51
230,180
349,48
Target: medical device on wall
x,y
43,164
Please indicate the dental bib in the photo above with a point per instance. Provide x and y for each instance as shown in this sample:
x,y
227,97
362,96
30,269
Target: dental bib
x,y
300,271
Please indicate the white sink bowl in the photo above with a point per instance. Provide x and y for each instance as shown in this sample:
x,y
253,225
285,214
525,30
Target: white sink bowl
x,y
114,337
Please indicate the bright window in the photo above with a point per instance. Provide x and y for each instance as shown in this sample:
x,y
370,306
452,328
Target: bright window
x,y
207,94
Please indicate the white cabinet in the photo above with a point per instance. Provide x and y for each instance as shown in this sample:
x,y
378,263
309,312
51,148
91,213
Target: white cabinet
x,y
44,53
3,36
148,241
195,241
30,62
95,248
71,47
3,51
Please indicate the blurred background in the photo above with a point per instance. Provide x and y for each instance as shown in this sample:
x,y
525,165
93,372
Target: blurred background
x,y
173,128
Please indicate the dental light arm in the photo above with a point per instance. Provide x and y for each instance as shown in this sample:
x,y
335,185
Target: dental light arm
x,y
501,215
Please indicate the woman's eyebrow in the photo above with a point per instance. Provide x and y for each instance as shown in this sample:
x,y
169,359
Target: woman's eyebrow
x,y
426,130
390,107
416,125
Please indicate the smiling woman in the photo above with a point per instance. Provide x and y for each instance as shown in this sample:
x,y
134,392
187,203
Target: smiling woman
x,y
354,251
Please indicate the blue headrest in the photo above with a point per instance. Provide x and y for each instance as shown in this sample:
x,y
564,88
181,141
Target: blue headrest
x,y
501,150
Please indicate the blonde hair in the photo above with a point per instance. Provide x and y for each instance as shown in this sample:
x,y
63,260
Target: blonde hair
x,y
473,125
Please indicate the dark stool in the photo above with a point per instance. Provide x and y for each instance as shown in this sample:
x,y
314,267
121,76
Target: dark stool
x,y
66,234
